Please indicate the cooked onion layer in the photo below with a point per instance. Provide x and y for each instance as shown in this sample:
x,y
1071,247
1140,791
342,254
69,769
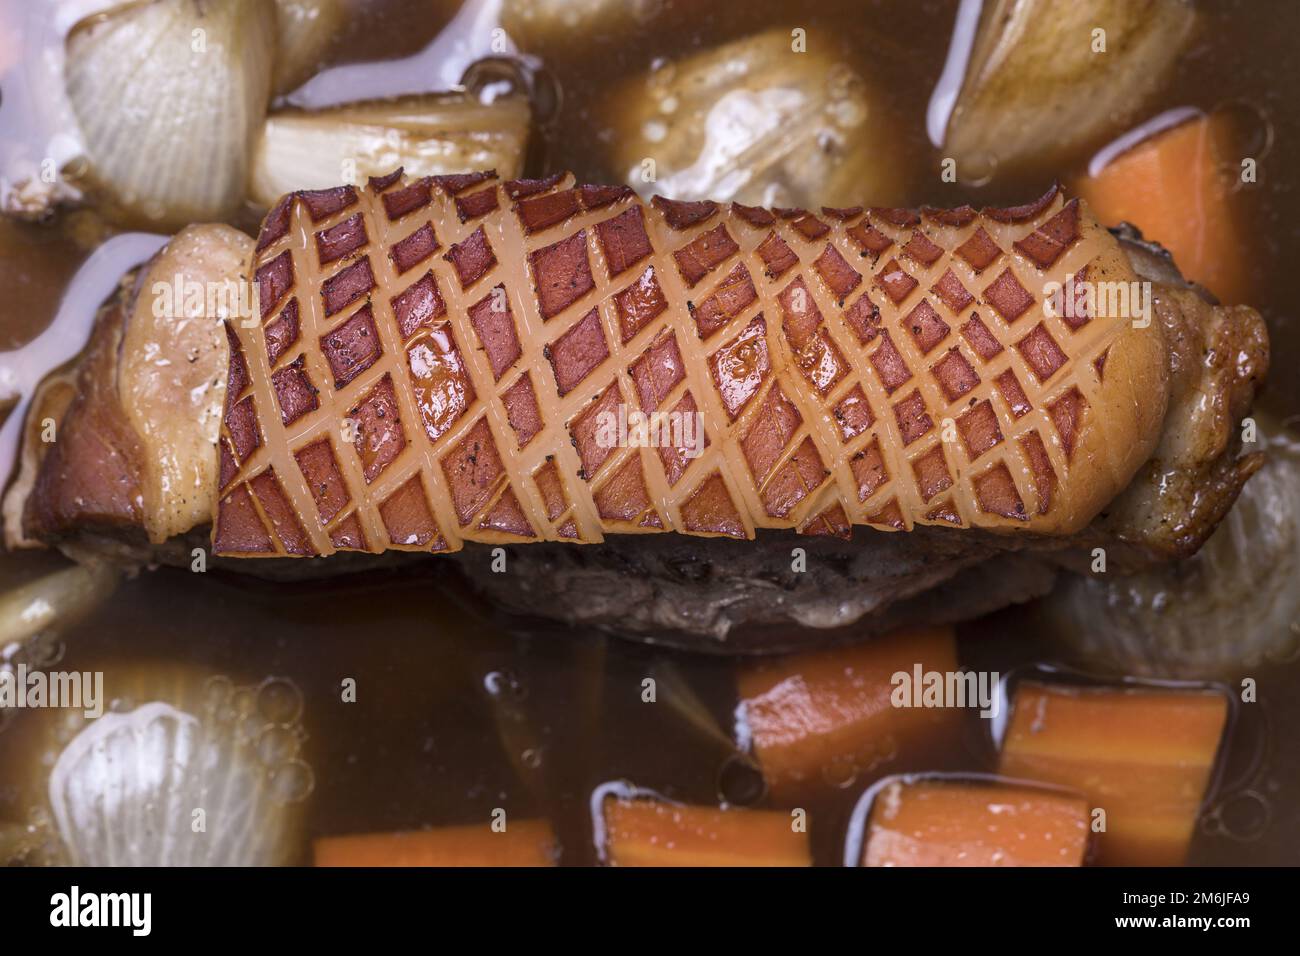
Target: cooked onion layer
x,y
426,135
1235,605
1039,83
170,97
57,600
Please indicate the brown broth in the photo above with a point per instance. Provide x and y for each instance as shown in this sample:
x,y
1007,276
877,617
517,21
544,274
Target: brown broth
x,y
421,747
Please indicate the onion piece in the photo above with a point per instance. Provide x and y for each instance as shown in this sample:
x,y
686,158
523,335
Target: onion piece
x,y
547,22
1233,605
170,95
121,789
1035,90
428,135
758,122
306,30
56,600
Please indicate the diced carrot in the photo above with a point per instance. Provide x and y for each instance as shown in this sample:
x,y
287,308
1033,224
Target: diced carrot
x,y
522,843
951,823
828,715
1178,188
1143,756
648,832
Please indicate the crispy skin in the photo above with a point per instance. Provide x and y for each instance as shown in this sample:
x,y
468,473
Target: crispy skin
x,y
451,357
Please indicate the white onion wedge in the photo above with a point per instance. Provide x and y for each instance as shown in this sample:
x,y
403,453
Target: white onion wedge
x,y
186,769
170,95
1040,85
1232,606
306,30
428,135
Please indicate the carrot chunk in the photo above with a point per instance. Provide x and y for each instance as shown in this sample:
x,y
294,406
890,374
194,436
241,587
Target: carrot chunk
x,y
828,715
523,843
648,832
1142,756
952,823
1178,188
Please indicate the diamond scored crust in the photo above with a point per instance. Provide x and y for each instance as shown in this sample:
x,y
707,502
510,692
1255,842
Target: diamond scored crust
x,y
434,359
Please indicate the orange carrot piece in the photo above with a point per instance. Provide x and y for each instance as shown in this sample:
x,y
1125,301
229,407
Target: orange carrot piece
x,y
828,715
647,832
522,843
952,823
1177,187
1143,756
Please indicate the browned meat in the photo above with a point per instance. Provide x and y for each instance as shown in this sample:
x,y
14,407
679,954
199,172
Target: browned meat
x,y
1187,380
137,420
705,596
91,476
